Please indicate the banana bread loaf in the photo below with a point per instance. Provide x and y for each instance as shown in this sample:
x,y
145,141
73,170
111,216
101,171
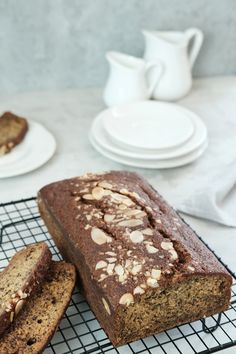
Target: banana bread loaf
x,y
142,268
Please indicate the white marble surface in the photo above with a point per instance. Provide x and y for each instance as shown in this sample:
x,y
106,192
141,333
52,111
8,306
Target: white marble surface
x,y
68,115
48,44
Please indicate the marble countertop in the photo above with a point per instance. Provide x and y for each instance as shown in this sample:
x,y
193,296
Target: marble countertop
x,y
68,115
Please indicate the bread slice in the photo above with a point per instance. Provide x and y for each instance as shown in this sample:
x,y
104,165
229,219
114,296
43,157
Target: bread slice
x,y
12,131
34,327
20,278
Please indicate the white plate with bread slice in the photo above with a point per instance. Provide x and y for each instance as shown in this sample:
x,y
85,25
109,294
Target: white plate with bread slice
x,y
36,148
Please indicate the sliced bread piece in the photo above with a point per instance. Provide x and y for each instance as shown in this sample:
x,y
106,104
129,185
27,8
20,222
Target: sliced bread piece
x,y
32,330
20,278
12,131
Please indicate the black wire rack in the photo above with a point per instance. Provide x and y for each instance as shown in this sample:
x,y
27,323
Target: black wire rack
x,y
79,331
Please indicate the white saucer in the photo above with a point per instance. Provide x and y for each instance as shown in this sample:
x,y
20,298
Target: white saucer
x,y
148,125
35,150
104,141
157,164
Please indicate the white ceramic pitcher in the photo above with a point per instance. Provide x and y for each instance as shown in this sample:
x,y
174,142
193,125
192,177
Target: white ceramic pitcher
x,y
172,49
128,79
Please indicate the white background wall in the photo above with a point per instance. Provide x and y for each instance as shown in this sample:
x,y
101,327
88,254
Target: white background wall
x,y
53,44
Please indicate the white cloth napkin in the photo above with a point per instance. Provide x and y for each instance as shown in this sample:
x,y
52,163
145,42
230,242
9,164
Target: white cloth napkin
x,y
207,188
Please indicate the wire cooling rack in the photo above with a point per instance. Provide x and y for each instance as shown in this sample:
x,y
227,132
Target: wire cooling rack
x,y
79,331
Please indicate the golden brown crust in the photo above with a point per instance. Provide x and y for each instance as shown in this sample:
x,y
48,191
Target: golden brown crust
x,y
12,131
128,245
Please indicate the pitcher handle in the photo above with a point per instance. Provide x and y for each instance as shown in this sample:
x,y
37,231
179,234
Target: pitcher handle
x,y
157,67
197,36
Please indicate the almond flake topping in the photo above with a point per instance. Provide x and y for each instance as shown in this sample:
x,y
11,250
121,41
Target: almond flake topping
x,y
152,283
167,245
110,268
136,269
98,193
138,290
148,232
130,223
151,249
101,265
174,255
156,274
99,236
109,253
19,306
119,269
126,299
88,197
105,184
192,269
105,304
108,218
136,236
112,260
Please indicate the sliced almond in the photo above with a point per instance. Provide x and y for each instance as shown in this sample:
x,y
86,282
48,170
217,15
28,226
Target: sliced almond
x,y
138,290
130,223
192,269
119,269
136,236
130,212
105,184
136,269
124,191
135,195
88,217
98,193
12,316
127,262
109,253
167,245
128,202
147,231
110,268
156,274
99,236
174,255
19,306
122,278
158,221
108,218
101,265
126,299
88,197
151,249
107,308
122,206
112,260
152,283
102,277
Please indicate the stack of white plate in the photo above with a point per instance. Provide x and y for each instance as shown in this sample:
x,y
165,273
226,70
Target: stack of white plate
x,y
149,134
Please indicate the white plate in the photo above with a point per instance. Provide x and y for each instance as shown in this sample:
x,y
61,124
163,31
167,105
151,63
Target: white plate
x,y
35,150
197,140
148,125
158,164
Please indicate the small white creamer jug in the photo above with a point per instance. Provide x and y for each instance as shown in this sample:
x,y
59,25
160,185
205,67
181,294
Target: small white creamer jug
x,y
128,79
172,49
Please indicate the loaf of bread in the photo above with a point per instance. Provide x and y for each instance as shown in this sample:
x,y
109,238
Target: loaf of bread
x,y
12,131
23,276
142,268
